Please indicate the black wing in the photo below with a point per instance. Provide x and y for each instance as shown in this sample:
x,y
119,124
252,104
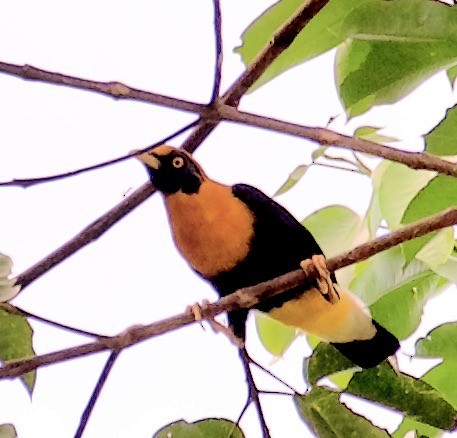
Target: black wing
x,y
279,244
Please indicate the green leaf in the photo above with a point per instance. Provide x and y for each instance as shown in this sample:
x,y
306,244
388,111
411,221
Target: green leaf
x,y
398,185
391,48
442,139
293,179
323,412
321,34
7,288
420,429
378,275
342,378
439,194
441,343
373,216
438,249
400,311
275,336
452,74
16,343
337,229
413,397
318,153
209,428
325,361
8,431
449,269
371,133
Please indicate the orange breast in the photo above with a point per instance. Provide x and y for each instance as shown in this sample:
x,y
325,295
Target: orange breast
x,y
211,228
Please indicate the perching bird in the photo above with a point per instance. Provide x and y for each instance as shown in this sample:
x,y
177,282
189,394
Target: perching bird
x,y
237,236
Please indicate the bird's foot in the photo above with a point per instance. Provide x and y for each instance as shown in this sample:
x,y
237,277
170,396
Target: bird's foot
x,y
196,310
325,285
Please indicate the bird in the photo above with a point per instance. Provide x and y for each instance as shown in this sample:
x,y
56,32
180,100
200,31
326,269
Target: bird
x,y
236,236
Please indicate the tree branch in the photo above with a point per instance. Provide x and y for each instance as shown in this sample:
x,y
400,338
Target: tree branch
x,y
281,41
14,310
92,232
218,50
253,392
102,224
283,38
28,182
324,136
116,90
96,393
243,298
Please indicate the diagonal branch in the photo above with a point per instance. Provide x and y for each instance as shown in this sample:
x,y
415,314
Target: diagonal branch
x,y
253,391
279,43
92,232
283,39
243,298
96,393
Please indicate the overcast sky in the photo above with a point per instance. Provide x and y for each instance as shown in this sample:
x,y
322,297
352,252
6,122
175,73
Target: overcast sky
x,y
133,274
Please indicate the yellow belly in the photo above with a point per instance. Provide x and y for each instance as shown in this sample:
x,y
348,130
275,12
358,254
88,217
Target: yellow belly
x,y
344,321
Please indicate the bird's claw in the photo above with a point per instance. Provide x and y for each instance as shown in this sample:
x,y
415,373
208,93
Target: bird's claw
x,y
196,311
325,285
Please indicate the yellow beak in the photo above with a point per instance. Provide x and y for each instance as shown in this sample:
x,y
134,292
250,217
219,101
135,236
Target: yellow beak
x,y
148,159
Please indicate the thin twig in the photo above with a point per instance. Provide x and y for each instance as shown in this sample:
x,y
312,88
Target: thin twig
x,y
237,342
253,391
243,411
96,393
331,166
344,159
218,50
217,327
276,393
361,164
14,310
28,182
274,376
243,298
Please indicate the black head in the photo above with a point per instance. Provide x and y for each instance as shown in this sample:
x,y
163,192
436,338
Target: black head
x,y
172,170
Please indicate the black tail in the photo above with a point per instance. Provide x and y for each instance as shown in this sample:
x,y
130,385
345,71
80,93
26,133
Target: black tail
x,y
371,352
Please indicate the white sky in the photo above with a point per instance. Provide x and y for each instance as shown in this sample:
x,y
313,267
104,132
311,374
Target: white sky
x,y
133,274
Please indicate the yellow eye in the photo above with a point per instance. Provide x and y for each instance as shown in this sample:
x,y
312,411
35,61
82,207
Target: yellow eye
x,y
178,162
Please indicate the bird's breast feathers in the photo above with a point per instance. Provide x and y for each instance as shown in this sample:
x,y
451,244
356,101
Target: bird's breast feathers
x,y
212,229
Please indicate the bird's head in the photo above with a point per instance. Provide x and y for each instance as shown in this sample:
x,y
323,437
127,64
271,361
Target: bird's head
x,y
172,170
